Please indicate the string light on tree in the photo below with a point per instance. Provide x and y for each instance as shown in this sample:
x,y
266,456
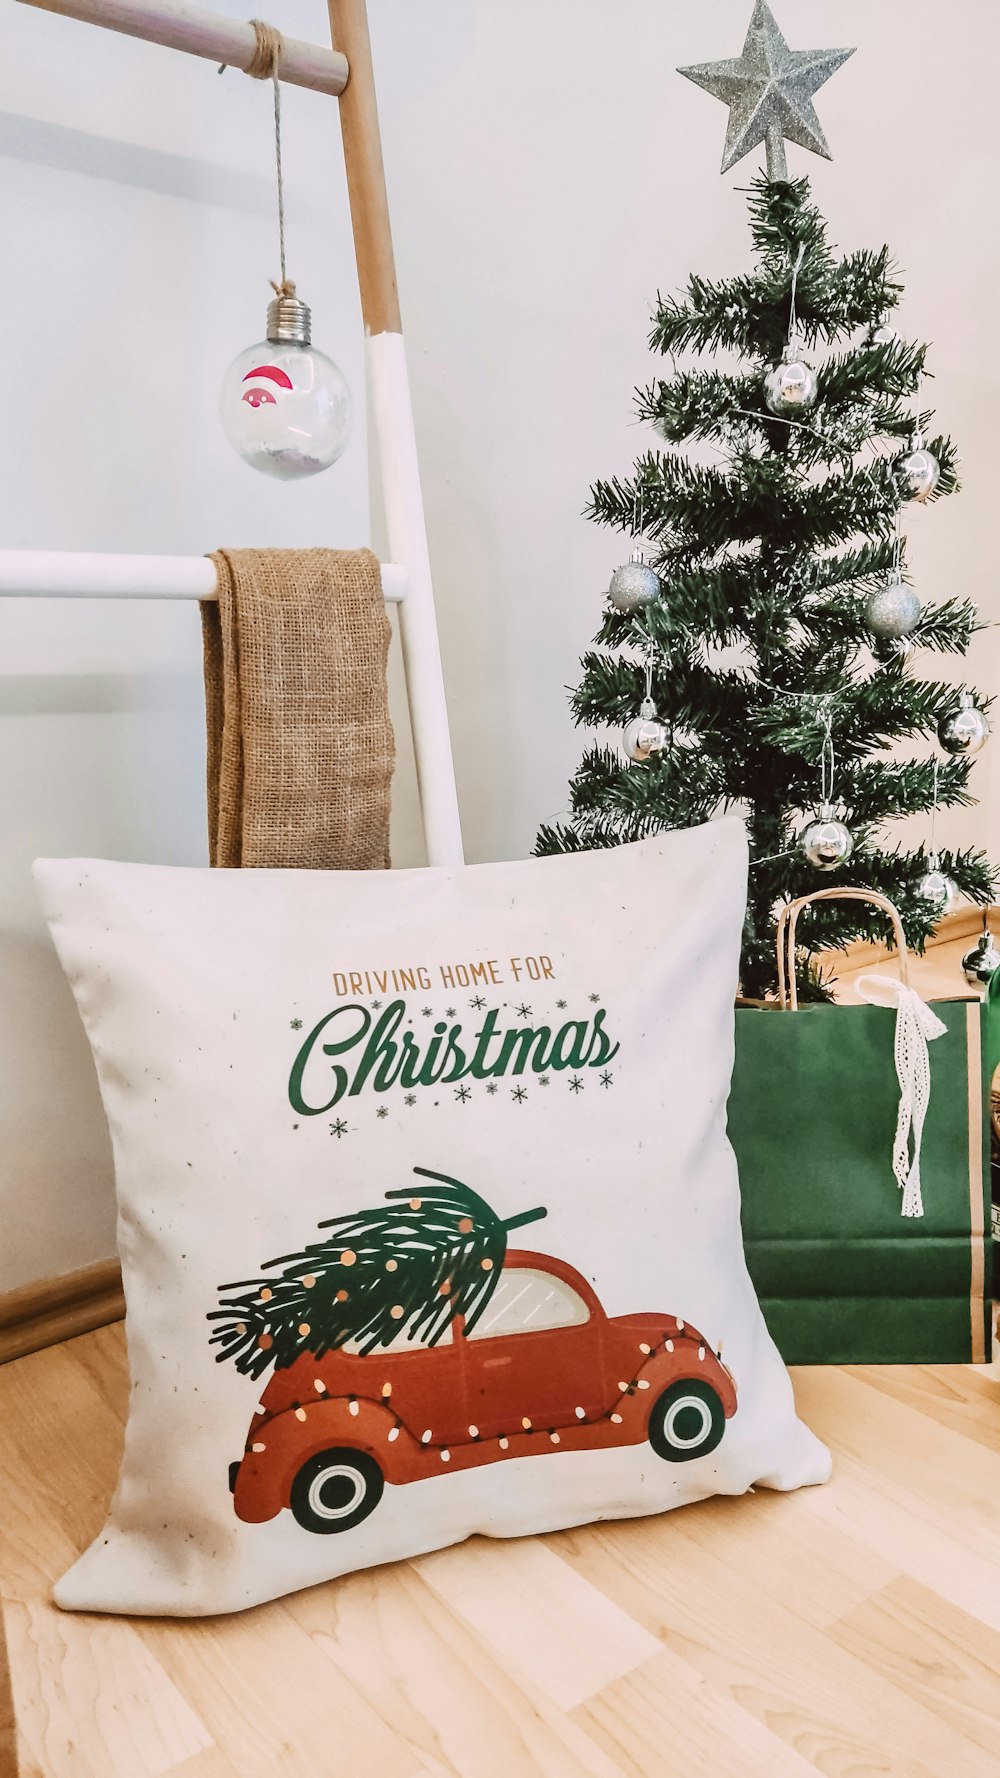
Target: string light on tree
x,y
285,406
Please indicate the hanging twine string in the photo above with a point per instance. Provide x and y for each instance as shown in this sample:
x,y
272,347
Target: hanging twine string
x,y
265,64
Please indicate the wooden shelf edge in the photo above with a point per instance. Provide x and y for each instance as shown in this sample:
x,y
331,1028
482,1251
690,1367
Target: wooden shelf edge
x,y
965,922
53,1309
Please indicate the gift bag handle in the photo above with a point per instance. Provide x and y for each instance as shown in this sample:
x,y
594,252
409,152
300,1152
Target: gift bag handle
x,y
788,993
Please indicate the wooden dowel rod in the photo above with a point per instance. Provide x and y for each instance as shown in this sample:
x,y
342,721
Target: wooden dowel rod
x,y
207,34
365,172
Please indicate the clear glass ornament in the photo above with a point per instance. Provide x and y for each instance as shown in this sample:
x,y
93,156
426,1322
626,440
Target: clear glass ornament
x,y
285,406
826,842
935,887
791,386
965,730
982,962
645,734
917,472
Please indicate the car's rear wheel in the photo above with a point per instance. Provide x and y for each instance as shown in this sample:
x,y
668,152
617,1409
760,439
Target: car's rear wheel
x,y
687,1421
335,1490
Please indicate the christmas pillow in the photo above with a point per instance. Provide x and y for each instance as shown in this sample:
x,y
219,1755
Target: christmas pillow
x,y
428,1218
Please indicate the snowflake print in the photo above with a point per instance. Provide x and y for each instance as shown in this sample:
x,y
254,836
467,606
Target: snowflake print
x,y
543,1080
296,1024
463,1094
491,1086
523,1011
518,1094
449,1012
561,1004
376,1006
477,1003
428,1011
410,1099
338,1129
607,1078
593,998
576,1084
383,1111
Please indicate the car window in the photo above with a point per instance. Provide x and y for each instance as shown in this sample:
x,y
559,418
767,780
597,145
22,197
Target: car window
x,y
526,1301
401,1344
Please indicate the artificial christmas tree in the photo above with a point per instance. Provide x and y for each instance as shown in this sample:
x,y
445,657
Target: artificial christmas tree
x,y
770,666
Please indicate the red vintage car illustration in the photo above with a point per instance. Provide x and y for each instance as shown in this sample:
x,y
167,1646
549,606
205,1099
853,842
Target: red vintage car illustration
x,y
543,1370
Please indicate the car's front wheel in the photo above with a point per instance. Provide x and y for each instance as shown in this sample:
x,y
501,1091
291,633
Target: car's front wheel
x,y
335,1490
687,1421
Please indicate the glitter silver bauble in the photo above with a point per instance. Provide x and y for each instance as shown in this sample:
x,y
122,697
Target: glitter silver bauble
x,y
882,335
645,734
826,842
935,887
982,962
792,385
892,610
964,730
917,473
634,584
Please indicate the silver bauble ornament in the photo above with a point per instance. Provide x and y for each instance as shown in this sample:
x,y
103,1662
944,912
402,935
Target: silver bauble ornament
x,y
883,335
792,385
826,842
917,473
634,584
964,730
645,734
935,887
892,610
982,962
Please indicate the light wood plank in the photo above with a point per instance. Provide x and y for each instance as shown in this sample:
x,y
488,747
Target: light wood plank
x,y
964,1398
542,1621
933,1651
826,1705
771,1534
101,1705
408,1655
666,1719
948,1481
271,1701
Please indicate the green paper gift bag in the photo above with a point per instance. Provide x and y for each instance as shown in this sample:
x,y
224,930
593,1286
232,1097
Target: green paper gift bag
x,y
843,1277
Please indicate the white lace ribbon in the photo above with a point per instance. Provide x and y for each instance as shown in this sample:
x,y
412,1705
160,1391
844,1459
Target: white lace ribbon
x,y
916,1024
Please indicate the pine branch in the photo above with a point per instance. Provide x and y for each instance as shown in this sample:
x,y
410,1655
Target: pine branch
x,y
407,1269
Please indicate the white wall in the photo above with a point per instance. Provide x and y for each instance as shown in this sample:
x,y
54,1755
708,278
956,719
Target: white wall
x,y
548,172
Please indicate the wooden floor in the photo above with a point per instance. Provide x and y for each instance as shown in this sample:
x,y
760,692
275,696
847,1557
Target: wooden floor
x,y
850,1630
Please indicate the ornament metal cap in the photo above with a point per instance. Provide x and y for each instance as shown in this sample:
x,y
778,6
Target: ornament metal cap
x,y
638,555
289,319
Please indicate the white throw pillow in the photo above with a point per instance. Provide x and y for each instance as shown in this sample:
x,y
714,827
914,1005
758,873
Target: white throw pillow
x,y
333,1097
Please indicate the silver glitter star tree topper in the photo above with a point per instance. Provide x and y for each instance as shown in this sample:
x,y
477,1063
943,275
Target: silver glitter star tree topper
x,y
769,90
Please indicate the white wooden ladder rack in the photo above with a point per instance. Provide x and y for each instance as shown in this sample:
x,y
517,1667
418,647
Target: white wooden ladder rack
x,y
345,72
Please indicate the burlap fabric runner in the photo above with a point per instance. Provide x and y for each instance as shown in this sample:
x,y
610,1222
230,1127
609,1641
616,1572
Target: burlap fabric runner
x,y
300,745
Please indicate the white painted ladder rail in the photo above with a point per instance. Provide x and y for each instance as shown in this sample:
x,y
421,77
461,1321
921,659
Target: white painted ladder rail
x,y
66,574
345,71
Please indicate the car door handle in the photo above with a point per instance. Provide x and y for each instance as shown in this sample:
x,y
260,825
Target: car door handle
x,y
491,1364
